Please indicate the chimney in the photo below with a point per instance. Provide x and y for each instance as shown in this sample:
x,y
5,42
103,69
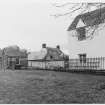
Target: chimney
x,y
58,47
43,45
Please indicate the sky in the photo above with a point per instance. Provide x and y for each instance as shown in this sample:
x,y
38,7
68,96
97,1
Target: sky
x,y
28,24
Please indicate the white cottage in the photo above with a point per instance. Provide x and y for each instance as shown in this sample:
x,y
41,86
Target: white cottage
x,y
47,57
83,26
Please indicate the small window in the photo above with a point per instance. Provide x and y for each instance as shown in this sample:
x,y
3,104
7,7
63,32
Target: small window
x,y
82,58
17,60
81,33
51,57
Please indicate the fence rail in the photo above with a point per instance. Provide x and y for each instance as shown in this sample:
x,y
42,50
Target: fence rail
x,y
72,64
88,63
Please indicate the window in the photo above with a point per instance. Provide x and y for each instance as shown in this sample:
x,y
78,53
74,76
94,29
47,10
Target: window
x,y
17,60
51,57
81,33
82,58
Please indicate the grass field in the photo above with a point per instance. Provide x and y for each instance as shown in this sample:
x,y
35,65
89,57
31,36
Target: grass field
x,y
30,87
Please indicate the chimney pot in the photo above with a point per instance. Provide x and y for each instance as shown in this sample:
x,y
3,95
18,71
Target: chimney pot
x,y
58,47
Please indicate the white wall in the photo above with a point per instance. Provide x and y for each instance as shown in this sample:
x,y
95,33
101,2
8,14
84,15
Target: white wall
x,y
48,64
93,48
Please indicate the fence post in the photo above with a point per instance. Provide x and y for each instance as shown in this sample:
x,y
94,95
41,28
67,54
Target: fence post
x,y
104,63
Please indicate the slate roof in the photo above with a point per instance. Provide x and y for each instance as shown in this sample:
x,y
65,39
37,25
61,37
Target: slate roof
x,y
92,18
61,55
41,55
54,49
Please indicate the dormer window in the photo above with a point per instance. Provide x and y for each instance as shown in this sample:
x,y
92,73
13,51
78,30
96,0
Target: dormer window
x,y
81,32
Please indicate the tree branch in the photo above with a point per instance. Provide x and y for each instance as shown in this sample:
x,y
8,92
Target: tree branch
x,y
68,13
63,5
80,8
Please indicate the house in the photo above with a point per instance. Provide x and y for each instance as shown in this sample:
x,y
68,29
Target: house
x,y
13,57
48,53
48,57
86,25
84,21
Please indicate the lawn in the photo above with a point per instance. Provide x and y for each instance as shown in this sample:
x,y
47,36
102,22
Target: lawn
x,y
33,87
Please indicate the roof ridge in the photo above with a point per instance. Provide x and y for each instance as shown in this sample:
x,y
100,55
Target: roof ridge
x,y
89,18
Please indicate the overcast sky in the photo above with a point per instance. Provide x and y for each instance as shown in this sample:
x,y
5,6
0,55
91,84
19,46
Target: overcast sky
x,y
28,24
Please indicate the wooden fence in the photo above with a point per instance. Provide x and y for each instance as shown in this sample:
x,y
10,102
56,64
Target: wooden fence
x,y
88,63
72,64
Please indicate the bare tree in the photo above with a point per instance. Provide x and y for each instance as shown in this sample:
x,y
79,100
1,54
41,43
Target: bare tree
x,y
74,7
79,8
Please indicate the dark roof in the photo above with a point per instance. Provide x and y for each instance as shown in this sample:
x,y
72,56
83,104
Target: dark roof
x,y
59,52
54,50
43,54
89,18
